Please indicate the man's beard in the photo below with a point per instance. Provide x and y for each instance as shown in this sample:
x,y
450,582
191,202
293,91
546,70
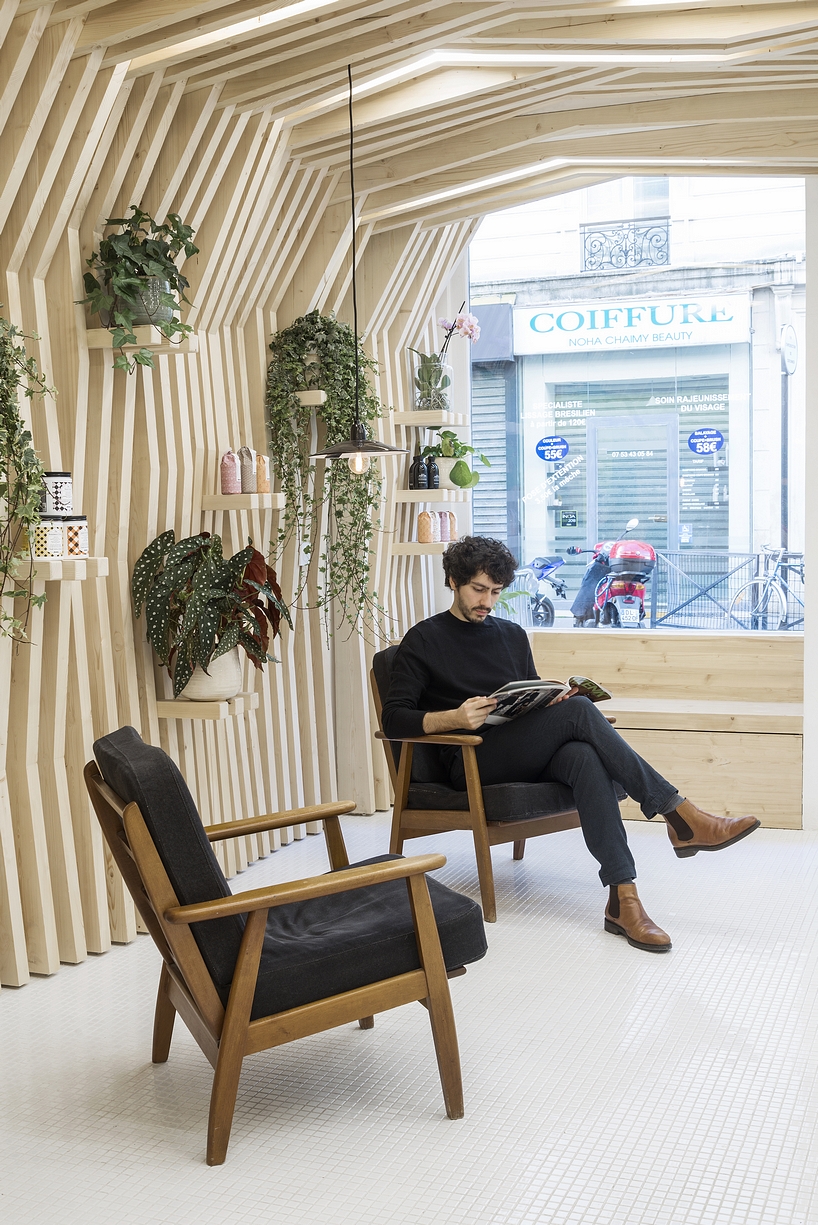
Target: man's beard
x,y
470,614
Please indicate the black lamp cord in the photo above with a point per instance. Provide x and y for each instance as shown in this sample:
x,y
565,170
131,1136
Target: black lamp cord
x,y
357,423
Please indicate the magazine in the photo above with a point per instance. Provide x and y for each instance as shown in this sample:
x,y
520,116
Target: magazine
x,y
519,697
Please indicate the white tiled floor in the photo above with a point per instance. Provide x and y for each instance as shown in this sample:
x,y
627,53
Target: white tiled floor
x,y
604,1086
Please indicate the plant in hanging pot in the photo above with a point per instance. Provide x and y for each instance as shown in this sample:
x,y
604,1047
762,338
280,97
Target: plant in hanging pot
x,y
201,606
431,373
450,456
21,482
134,281
319,351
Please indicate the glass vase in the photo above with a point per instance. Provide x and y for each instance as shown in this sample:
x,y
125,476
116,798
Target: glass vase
x,y
431,382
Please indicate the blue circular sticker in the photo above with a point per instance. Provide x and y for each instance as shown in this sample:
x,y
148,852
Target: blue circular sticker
x,y
552,448
705,442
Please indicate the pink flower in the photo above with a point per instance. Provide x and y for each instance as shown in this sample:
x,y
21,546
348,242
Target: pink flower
x,y
468,326
445,323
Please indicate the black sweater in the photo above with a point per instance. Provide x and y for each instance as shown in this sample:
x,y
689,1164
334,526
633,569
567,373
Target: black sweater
x,y
443,661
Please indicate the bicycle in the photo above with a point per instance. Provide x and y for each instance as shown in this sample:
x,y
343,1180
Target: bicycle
x,y
763,603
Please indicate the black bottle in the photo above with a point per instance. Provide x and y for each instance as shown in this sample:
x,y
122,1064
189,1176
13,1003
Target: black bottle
x,y
417,473
432,473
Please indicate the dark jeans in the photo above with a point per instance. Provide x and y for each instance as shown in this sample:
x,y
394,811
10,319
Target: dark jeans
x,y
573,743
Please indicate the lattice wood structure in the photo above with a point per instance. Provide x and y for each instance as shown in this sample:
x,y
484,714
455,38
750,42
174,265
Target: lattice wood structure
x,y
233,115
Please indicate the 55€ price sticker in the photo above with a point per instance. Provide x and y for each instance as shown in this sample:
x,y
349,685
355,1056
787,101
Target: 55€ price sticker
x,y
552,448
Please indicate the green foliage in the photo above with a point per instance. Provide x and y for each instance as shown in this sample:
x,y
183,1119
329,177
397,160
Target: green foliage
x,y
340,540
504,600
115,285
21,481
450,447
199,604
431,381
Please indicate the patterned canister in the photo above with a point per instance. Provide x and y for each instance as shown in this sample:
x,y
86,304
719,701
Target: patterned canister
x,y
48,537
58,495
262,473
444,525
247,458
76,536
230,473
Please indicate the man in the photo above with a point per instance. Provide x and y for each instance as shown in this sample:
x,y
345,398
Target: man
x,y
447,659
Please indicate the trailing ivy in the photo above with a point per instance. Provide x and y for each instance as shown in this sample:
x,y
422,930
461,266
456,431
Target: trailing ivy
x,y
343,550
21,481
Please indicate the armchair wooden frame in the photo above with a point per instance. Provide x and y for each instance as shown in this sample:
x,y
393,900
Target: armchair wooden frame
x,y
419,822
226,1034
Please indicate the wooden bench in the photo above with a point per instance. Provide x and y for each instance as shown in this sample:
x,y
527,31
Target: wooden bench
x,y
719,714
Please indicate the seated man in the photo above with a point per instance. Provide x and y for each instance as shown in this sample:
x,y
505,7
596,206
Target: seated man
x,y
447,659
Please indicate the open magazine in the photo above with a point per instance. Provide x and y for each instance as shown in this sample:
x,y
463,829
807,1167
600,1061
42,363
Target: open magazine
x,y
519,697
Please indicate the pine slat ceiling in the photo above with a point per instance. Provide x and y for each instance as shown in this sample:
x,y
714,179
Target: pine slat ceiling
x,y
466,107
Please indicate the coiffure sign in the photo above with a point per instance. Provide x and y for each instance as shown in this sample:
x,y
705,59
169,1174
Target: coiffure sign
x,y
633,323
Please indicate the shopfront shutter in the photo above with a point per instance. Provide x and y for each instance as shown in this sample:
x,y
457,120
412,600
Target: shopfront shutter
x,y
490,515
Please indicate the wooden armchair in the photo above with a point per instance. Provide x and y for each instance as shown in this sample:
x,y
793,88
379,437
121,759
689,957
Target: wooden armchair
x,y
254,970
426,804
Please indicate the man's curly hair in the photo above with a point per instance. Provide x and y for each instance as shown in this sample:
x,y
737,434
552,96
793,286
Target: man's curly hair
x,y
473,554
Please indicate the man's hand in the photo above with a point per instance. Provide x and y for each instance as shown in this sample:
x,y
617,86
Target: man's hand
x,y
470,715
564,697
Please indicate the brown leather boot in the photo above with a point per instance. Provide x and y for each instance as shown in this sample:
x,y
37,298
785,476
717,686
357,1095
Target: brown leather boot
x,y
625,916
691,830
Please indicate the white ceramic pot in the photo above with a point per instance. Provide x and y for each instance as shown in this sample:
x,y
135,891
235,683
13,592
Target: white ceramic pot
x,y
445,463
221,681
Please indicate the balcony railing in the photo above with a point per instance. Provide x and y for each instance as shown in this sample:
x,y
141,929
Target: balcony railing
x,y
639,243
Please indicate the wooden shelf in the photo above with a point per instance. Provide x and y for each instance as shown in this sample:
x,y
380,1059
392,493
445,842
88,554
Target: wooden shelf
x,y
432,495
428,420
146,338
435,549
69,569
183,708
243,501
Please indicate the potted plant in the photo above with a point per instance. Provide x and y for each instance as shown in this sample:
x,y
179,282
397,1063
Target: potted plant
x,y
431,373
21,482
200,607
319,352
134,281
450,455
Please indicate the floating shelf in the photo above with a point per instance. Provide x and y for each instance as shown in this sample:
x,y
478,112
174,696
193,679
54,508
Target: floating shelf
x,y
69,569
183,708
432,495
146,338
416,549
243,501
312,398
428,420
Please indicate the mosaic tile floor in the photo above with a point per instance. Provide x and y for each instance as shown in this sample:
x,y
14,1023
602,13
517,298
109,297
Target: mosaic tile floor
x,y
604,1086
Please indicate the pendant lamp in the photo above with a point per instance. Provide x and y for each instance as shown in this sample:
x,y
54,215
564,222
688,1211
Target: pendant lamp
x,y
357,449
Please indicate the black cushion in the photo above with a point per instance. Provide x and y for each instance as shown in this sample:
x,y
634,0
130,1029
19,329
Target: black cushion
x,y
311,949
145,775
502,801
333,944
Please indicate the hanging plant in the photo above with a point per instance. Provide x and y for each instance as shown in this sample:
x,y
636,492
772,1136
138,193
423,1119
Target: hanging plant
x,y
319,351
134,280
21,481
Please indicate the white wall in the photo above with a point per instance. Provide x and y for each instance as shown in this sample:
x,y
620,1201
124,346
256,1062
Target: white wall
x,y
714,220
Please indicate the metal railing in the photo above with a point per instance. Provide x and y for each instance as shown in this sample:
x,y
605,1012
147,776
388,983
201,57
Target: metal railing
x,y
637,243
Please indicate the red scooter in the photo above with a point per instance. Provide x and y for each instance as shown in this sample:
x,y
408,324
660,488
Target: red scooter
x,y
613,588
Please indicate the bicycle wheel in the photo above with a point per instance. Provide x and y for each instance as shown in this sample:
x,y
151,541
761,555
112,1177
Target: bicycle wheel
x,y
759,605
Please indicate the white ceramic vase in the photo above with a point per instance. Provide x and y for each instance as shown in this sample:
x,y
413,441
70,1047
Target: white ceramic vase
x,y
445,463
221,681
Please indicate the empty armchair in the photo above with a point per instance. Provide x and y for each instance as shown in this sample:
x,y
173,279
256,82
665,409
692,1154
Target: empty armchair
x,y
253,970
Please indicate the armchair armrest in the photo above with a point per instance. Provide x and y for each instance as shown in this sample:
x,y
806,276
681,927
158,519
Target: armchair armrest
x,y
305,890
443,738
295,816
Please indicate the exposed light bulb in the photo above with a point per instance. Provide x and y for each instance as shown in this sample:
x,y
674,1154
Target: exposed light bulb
x,y
358,463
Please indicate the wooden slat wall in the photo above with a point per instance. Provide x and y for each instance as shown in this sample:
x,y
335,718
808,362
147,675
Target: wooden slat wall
x,y
243,132
144,449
